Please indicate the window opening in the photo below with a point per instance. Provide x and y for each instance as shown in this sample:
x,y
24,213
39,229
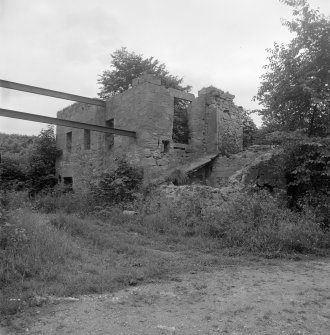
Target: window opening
x,y
69,141
109,138
68,182
180,132
87,139
166,146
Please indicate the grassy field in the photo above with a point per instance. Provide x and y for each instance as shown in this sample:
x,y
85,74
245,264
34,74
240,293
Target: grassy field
x,y
64,251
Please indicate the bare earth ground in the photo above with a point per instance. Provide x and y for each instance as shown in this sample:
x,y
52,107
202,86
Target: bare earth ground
x,y
255,297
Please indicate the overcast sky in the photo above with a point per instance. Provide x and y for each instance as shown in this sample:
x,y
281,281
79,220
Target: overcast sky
x,y
65,44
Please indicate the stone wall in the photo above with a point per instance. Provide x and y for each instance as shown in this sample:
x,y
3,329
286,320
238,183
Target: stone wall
x,y
215,123
80,163
148,109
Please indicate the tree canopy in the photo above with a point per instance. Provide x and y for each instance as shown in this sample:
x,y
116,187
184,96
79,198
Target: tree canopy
x,y
295,90
33,167
125,66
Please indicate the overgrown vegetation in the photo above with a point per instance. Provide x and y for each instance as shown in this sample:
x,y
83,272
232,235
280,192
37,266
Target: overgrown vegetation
x,y
67,254
307,166
16,145
32,168
41,170
249,128
120,185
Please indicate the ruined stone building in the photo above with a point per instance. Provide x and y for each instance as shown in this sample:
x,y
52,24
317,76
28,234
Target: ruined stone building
x,y
213,125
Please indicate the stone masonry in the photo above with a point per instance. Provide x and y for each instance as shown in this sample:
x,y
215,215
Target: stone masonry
x,y
147,108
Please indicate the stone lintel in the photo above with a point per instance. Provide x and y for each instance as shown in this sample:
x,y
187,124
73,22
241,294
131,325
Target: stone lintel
x,y
181,94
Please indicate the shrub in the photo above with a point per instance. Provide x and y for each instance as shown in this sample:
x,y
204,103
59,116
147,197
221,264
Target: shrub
x,y
120,185
41,169
256,223
253,222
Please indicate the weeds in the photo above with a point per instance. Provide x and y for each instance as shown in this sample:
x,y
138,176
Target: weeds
x,y
32,248
66,254
254,222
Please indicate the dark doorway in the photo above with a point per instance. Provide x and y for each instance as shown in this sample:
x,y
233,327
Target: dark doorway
x,y
68,182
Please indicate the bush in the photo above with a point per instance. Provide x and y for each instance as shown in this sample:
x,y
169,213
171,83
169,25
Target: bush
x,y
253,222
256,223
41,169
120,185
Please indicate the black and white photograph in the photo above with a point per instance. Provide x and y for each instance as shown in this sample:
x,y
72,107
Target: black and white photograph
x,y
165,167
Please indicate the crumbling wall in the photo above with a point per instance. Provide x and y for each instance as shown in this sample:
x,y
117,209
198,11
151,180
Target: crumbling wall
x,y
215,123
148,109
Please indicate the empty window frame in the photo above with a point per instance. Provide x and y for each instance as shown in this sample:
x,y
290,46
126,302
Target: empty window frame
x,y
87,139
180,132
166,146
109,138
68,182
69,141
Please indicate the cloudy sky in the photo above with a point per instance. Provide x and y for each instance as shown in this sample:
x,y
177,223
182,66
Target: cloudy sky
x,y
64,45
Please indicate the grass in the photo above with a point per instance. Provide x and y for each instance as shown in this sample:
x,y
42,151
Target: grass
x,y
66,254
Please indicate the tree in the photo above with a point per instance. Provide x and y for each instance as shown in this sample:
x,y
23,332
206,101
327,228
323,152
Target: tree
x,y
12,175
125,66
307,168
41,170
295,90
249,127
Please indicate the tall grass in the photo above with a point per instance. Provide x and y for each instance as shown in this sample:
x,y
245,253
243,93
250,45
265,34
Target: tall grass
x,y
31,252
254,222
67,254
33,248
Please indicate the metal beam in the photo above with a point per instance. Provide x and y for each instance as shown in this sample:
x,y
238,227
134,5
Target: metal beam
x,y
55,94
65,123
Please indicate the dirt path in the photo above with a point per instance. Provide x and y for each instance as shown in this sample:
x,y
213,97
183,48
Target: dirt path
x,y
278,297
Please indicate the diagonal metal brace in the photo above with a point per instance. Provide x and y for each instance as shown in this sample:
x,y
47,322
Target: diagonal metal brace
x,y
65,123
55,94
